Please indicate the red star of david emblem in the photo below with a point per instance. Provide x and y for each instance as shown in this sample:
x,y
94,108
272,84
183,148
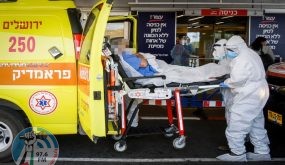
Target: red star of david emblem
x,y
137,94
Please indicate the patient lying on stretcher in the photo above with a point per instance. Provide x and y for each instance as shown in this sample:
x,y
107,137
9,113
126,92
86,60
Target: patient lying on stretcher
x,y
145,64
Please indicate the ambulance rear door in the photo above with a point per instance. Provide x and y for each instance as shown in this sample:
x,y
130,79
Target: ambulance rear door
x,y
91,95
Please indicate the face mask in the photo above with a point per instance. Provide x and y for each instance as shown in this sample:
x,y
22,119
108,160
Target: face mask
x,y
231,54
216,56
218,53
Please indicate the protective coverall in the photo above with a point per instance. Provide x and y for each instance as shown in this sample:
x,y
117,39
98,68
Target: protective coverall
x,y
220,54
250,94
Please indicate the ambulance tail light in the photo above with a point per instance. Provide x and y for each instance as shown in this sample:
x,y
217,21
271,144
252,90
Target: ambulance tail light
x,y
77,44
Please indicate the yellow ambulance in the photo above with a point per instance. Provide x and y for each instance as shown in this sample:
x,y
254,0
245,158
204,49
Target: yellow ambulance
x,y
45,80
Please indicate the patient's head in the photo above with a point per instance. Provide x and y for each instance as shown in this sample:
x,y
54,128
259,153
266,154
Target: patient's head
x,y
121,45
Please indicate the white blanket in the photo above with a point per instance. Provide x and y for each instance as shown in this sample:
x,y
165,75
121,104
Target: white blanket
x,y
175,73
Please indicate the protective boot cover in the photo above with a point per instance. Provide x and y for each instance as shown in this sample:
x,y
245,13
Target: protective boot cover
x,y
232,158
257,157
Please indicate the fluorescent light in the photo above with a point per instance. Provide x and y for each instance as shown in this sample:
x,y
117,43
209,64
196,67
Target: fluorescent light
x,y
206,26
196,27
191,19
279,11
195,23
218,23
180,15
189,27
227,17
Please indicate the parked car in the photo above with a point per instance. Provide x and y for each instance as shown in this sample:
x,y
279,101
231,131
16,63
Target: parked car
x,y
275,107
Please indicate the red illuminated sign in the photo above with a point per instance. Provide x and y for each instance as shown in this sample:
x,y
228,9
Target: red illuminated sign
x,y
223,12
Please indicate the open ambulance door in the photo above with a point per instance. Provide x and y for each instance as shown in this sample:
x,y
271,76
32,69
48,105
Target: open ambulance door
x,y
91,94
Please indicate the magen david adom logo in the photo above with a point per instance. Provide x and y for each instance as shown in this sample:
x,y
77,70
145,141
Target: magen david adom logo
x,y
43,102
35,146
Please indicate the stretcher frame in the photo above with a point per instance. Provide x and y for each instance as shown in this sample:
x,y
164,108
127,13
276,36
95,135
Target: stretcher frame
x,y
119,85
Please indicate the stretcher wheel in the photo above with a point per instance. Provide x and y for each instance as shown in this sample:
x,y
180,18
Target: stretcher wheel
x,y
120,146
117,137
179,143
170,131
168,135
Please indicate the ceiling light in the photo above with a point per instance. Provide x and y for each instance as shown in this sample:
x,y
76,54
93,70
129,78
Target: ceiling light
x,y
194,23
180,15
227,17
196,27
191,19
218,23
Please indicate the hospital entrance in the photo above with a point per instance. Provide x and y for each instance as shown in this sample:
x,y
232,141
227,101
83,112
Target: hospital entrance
x,y
204,31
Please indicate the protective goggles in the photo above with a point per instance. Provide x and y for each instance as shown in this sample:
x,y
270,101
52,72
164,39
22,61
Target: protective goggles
x,y
231,50
217,45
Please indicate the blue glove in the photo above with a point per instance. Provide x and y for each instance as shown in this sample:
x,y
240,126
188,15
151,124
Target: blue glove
x,y
224,85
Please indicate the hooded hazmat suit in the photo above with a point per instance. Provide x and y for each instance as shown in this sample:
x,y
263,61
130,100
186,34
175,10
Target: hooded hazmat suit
x,y
219,54
250,93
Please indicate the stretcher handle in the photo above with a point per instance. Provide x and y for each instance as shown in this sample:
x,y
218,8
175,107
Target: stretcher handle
x,y
144,77
209,86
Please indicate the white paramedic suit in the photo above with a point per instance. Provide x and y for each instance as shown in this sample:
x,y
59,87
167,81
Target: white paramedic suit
x,y
250,94
220,55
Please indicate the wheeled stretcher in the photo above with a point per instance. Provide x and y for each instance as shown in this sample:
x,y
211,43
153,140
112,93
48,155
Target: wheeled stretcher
x,y
119,85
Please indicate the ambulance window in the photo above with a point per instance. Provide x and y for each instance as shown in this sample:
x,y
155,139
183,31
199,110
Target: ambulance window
x,y
118,30
89,22
114,32
87,37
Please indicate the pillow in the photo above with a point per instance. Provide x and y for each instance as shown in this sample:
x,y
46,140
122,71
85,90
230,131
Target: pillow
x,y
130,71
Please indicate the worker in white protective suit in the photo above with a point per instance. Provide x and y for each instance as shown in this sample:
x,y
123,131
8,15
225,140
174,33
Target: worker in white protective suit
x,y
250,93
219,54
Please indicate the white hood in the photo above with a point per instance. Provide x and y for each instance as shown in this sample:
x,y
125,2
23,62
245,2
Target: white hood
x,y
236,43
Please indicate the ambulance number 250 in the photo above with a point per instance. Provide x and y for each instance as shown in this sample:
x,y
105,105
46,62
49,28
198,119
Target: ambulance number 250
x,y
22,44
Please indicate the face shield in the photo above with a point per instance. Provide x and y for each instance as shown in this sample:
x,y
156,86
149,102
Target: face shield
x,y
218,49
